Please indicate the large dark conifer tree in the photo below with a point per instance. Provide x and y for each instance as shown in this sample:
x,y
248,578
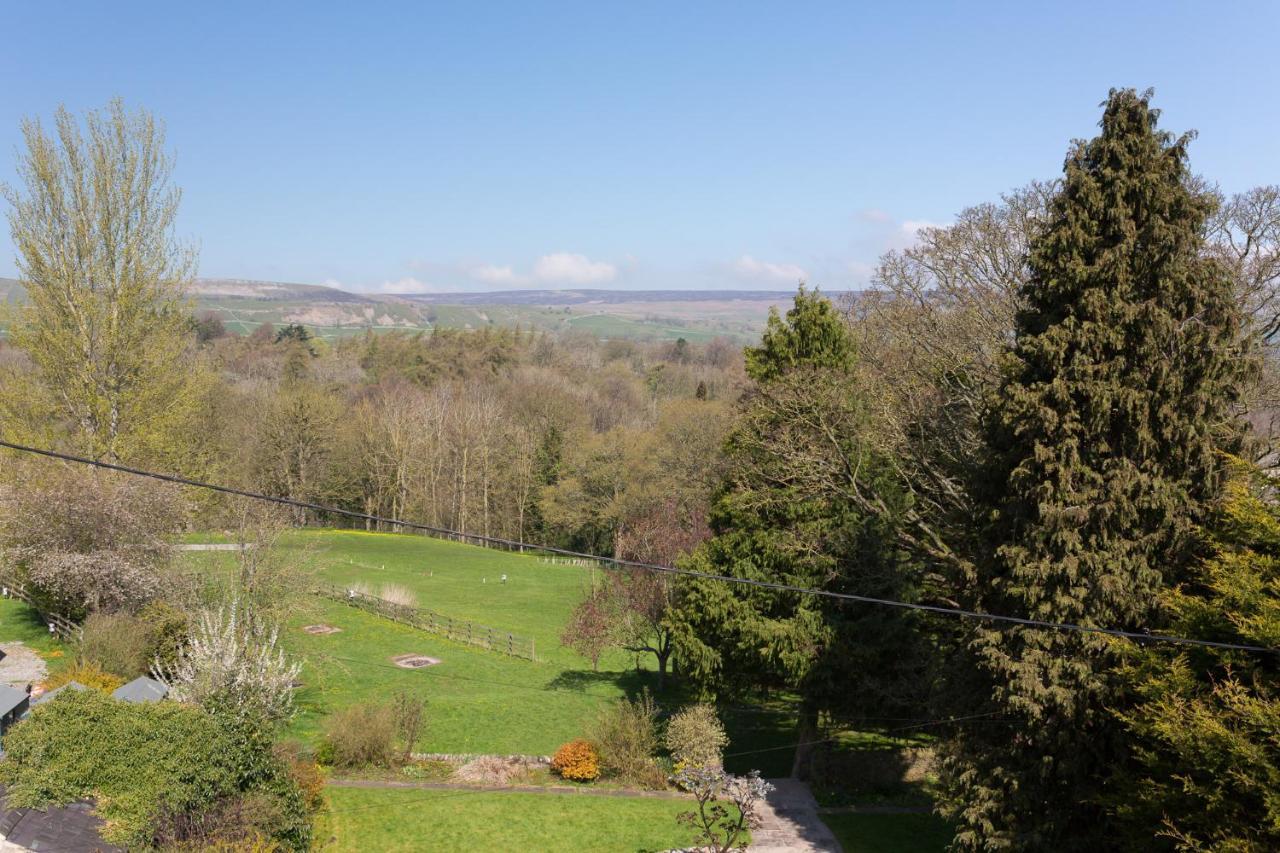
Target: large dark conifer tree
x,y
1104,445
788,512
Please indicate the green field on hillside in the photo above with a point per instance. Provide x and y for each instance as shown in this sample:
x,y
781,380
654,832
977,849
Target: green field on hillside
x,y
478,700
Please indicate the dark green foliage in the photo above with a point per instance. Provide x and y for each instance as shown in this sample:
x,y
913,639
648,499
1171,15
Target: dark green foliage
x,y
144,763
1103,444
812,336
1208,720
791,511
293,333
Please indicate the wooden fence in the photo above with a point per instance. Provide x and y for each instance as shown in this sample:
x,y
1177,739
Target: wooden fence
x,y
64,628
458,630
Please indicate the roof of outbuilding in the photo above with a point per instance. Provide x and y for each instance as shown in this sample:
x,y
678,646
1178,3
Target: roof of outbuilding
x,y
72,828
141,689
70,685
10,698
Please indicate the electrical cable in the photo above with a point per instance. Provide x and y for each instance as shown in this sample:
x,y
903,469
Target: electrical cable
x,y
977,615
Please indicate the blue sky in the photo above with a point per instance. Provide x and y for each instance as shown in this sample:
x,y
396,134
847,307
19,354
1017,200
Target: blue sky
x,y
430,146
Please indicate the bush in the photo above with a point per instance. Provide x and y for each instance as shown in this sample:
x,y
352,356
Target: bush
x,y
168,630
89,674
118,643
578,761
140,761
361,736
626,734
490,770
234,664
696,739
159,771
88,540
304,772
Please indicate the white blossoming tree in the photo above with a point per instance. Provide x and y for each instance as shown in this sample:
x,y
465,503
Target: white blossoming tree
x,y
233,664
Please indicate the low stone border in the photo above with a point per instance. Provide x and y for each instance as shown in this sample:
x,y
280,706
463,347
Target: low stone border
x,y
464,757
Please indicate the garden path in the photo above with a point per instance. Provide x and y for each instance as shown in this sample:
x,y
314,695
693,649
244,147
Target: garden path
x,y
790,822
21,665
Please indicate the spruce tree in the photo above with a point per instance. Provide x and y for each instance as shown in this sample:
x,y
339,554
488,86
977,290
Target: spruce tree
x,y
1104,456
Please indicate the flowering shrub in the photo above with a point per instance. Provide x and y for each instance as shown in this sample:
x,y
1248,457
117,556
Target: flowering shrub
x,y
88,674
233,663
696,738
577,760
727,807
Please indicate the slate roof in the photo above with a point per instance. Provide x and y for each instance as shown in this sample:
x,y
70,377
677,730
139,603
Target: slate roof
x,y
141,689
10,698
70,685
72,828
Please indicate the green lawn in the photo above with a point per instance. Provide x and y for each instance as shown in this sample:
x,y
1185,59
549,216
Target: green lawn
x,y
409,820
478,701
889,833
20,623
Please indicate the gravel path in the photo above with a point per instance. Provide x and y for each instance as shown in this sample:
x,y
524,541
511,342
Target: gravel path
x,y
21,666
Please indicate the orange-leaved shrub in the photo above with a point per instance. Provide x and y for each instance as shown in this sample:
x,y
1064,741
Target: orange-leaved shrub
x,y
577,760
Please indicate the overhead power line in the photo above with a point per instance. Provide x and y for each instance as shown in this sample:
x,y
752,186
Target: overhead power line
x,y
959,612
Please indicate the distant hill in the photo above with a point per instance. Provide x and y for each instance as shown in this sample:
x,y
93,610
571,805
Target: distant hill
x,y
696,315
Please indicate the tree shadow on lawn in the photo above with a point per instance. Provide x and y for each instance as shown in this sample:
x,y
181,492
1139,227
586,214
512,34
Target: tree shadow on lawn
x,y
629,682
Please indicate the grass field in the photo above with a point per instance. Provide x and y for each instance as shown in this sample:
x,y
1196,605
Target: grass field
x,y
478,701
410,820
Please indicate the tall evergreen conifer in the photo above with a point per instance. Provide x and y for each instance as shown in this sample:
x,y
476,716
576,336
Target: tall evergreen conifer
x,y
1104,445
786,513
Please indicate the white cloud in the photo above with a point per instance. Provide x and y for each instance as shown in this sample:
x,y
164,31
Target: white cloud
x,y
749,267
569,268
915,226
873,214
409,285
493,274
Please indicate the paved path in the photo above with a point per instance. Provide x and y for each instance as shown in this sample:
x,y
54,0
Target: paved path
x,y
790,822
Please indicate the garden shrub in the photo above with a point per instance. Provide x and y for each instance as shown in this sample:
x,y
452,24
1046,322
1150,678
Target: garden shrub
x,y
361,736
89,674
168,629
490,770
626,733
578,761
696,738
117,643
304,772
158,771
129,645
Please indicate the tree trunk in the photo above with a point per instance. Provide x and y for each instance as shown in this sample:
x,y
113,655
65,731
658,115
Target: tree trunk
x,y
806,734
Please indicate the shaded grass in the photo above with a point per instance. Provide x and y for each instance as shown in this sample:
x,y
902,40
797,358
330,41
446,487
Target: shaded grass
x,y
889,833
360,819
